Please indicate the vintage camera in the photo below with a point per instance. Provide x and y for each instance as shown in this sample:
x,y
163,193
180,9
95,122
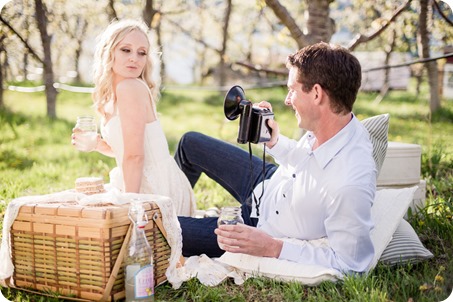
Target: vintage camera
x,y
253,122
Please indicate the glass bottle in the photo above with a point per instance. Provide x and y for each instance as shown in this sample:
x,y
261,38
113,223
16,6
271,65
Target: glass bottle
x,y
138,262
229,215
87,139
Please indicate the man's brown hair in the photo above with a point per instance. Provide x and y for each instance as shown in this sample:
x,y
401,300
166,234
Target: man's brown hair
x,y
334,68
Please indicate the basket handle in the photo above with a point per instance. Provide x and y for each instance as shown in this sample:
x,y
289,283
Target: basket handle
x,y
119,259
116,267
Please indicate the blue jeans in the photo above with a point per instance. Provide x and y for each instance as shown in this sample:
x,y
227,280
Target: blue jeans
x,y
229,166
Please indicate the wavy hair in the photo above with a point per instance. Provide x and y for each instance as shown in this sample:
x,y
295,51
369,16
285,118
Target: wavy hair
x,y
104,58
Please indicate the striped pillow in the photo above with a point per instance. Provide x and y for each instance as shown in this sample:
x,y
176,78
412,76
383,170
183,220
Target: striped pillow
x,y
405,247
378,127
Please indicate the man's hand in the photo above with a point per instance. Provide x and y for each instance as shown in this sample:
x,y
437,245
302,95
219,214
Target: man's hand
x,y
272,124
241,238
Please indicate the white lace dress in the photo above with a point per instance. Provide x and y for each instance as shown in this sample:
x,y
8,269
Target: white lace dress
x,y
161,174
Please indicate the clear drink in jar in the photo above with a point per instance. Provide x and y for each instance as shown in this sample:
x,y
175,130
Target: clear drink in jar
x,y
87,141
229,215
87,138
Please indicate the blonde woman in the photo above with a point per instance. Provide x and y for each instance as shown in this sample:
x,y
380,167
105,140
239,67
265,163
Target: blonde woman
x,y
125,96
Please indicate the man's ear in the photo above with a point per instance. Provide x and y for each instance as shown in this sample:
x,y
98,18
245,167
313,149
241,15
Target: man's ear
x,y
319,93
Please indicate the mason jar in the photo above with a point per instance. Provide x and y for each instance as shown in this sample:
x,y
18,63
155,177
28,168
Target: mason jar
x,y
229,215
87,138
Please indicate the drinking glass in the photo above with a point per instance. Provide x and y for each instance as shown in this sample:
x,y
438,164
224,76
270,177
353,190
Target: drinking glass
x,y
229,215
87,137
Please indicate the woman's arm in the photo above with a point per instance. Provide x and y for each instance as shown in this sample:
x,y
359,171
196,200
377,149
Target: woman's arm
x,y
101,145
103,148
134,110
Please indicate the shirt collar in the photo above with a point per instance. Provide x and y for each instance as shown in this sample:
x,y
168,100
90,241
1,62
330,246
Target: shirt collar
x,y
327,151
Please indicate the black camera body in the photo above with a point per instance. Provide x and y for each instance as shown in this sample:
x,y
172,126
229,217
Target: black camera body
x,y
253,126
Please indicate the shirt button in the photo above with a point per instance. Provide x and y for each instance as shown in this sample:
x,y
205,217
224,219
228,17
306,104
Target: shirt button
x,y
276,212
284,195
294,175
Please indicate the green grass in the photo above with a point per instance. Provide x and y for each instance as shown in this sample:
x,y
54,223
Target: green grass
x,y
36,158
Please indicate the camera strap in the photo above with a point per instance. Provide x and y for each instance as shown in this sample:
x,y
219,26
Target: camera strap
x,y
257,200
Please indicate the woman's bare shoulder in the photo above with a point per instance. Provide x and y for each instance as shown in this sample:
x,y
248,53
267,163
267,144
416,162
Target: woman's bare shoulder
x,y
131,86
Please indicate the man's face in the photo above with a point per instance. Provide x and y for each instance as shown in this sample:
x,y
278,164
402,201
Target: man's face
x,y
300,101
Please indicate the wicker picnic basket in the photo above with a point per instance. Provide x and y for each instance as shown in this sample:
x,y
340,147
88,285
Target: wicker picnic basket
x,y
72,250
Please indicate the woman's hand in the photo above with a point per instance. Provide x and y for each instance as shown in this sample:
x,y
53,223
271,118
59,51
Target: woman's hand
x,y
101,145
241,238
84,141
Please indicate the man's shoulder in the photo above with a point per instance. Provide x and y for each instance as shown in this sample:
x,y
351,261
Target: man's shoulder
x,y
354,164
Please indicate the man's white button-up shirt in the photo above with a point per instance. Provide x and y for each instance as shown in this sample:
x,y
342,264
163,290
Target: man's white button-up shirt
x,y
327,192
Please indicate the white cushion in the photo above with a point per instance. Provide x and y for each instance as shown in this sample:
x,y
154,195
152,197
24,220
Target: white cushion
x,y
405,247
389,208
378,127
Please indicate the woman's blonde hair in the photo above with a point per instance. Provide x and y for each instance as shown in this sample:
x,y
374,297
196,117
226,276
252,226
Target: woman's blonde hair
x,y
104,58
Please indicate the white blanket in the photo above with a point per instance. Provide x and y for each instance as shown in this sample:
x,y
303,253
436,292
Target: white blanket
x,y
389,207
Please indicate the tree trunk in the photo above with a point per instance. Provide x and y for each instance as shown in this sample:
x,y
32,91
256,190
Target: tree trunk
x,y
320,27
152,18
2,68
51,92
1,80
226,22
431,66
24,69
77,54
200,64
111,12
160,46
149,12
2,103
79,36
388,53
417,71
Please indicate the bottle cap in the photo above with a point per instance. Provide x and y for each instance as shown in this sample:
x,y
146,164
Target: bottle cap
x,y
141,224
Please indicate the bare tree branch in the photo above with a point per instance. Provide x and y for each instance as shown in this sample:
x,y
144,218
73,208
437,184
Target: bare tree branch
x,y
150,11
30,49
189,34
364,38
260,69
283,15
436,5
